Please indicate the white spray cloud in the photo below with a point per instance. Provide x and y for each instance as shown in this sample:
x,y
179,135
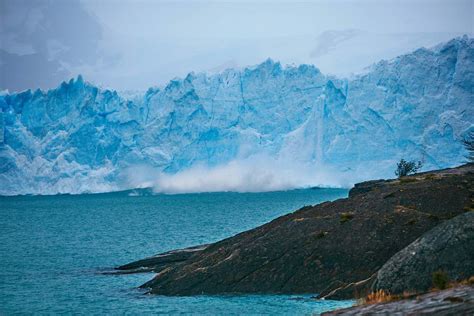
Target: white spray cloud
x,y
254,174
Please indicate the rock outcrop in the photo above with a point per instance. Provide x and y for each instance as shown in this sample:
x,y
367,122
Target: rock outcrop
x,y
449,247
455,301
158,262
321,248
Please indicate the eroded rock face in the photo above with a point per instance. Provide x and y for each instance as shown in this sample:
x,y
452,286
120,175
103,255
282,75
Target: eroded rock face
x,y
448,247
321,248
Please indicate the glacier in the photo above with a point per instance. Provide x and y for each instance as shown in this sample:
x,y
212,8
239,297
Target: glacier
x,y
266,127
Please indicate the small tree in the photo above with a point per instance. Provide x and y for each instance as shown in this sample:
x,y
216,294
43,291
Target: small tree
x,y
468,143
404,167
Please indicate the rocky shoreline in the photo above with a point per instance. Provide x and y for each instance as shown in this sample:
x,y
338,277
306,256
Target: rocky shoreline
x,y
454,301
159,261
341,249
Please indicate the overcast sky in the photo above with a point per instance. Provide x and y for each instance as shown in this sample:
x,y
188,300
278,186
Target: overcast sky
x,y
132,45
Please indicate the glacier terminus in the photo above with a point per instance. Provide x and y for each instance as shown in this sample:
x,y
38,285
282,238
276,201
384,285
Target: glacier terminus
x,y
269,127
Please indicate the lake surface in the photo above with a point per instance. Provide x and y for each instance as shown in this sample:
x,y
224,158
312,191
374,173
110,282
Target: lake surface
x,y
53,248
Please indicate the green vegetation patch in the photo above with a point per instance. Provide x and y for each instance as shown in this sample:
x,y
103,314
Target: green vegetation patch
x,y
346,216
440,280
408,180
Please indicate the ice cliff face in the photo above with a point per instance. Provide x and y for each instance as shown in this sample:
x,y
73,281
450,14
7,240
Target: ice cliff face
x,y
78,138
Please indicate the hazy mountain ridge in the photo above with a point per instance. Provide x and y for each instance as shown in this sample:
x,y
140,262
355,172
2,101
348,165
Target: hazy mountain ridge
x,y
78,138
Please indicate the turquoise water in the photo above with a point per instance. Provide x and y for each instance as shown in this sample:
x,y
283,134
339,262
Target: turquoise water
x,y
52,249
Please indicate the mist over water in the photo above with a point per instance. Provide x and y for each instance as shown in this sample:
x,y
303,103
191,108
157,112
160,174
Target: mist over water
x,y
255,174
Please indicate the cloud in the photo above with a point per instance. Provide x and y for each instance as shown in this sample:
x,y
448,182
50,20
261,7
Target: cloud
x,y
43,41
330,39
137,44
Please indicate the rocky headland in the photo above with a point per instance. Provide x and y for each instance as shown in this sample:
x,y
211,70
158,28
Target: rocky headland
x,y
388,234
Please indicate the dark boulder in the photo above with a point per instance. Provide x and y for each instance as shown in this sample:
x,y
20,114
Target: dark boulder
x,y
449,247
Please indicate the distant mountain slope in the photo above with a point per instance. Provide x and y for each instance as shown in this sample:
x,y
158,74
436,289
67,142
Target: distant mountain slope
x,y
78,138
